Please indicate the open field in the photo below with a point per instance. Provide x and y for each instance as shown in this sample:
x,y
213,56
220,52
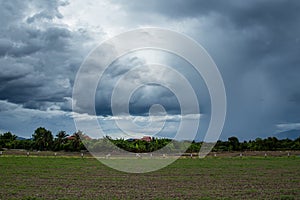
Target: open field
x,y
22,152
50,177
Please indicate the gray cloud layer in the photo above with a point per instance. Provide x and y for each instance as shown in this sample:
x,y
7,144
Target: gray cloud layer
x,y
38,57
255,44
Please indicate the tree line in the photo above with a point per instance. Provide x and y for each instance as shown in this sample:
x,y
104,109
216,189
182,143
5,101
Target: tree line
x,y
43,140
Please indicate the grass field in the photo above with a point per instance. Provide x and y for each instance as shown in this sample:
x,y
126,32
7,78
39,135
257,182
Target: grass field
x,y
209,178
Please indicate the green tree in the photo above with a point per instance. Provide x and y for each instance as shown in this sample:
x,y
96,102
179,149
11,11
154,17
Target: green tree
x,y
194,147
234,143
296,145
23,144
7,139
43,139
60,140
8,136
271,143
76,142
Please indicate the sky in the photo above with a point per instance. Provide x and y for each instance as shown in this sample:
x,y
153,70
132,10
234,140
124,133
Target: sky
x,y
255,45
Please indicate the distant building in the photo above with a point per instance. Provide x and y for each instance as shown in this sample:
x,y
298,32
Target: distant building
x,y
71,137
83,136
86,137
147,138
144,138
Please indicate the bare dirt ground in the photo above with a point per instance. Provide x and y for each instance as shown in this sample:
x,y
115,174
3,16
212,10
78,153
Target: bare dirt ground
x,y
22,152
49,177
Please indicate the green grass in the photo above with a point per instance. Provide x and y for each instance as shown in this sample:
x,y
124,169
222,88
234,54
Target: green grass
x,y
209,178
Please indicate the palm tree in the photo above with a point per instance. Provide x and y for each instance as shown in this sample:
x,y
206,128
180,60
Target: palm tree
x,y
43,138
61,139
76,140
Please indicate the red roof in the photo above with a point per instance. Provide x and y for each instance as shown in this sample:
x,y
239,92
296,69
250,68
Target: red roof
x,y
147,138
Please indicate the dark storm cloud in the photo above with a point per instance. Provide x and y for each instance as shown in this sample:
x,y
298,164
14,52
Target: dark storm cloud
x,y
267,27
255,45
141,99
134,66
174,9
241,13
27,40
39,58
47,13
